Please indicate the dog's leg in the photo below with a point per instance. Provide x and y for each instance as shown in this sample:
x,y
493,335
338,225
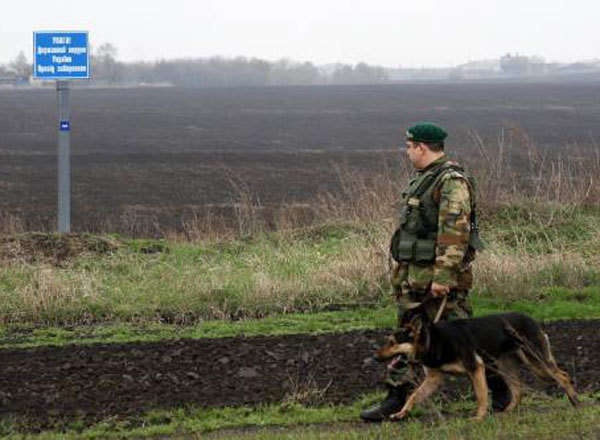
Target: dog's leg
x,y
508,367
481,389
433,380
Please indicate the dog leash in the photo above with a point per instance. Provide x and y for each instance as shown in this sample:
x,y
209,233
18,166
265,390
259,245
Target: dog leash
x,y
441,309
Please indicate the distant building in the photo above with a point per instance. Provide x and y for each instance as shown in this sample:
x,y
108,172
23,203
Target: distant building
x,y
480,69
518,65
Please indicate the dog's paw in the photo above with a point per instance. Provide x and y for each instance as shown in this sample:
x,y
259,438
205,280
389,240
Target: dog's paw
x,y
399,415
479,417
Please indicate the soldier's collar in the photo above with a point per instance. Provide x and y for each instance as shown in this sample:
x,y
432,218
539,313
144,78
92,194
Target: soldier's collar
x,y
435,163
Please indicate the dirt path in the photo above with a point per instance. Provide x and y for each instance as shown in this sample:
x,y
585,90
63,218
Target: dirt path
x,y
102,380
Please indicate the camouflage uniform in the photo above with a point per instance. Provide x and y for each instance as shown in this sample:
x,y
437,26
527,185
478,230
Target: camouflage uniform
x,y
411,281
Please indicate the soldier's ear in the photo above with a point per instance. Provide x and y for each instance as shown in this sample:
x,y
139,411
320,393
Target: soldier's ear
x,y
424,147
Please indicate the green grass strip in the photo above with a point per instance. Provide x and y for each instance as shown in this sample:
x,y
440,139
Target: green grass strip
x,y
557,304
538,416
324,322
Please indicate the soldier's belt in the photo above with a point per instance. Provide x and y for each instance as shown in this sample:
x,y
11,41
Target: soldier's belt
x,y
452,296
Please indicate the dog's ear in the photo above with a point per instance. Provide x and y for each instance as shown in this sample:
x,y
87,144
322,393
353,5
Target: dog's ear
x,y
420,332
403,335
419,320
415,325
413,310
425,319
424,336
406,318
415,321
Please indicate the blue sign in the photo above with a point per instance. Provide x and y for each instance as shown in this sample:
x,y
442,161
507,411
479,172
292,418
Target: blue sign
x,y
65,126
61,55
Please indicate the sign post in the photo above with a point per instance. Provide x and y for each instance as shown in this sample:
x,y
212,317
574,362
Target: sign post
x,y
62,56
64,158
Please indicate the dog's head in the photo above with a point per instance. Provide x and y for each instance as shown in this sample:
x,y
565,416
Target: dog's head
x,y
416,325
400,342
414,316
413,337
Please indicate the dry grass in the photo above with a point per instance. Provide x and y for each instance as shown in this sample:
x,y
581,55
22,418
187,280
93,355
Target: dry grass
x,y
513,277
231,280
274,274
51,295
512,172
303,389
517,169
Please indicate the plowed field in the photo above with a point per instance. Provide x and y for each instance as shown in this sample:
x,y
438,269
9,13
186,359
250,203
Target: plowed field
x,y
103,380
148,160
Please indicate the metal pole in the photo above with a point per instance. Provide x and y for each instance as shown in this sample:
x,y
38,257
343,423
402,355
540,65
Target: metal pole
x,y
64,158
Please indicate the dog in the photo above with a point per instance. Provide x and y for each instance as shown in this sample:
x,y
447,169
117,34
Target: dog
x,y
466,346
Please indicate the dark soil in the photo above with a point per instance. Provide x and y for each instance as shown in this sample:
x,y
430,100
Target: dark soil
x,y
94,382
149,160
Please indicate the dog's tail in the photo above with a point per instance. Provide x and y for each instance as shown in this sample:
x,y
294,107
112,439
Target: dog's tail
x,y
538,349
538,356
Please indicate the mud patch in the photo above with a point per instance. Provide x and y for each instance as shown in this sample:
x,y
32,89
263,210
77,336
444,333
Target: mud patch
x,y
53,248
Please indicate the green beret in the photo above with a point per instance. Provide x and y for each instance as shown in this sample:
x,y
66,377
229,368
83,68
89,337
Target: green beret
x,y
426,132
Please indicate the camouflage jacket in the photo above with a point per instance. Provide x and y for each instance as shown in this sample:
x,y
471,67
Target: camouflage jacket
x,y
451,265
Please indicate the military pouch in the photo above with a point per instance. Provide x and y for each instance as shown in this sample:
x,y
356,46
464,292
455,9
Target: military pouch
x,y
402,246
406,249
424,251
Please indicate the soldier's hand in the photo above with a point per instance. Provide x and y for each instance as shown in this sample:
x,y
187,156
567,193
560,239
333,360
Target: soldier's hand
x,y
438,290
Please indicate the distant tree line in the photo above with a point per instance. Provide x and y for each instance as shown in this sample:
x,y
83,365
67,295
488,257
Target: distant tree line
x,y
242,71
211,72
228,72
17,71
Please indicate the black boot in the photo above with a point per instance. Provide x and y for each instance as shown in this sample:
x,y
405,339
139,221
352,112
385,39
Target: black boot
x,y
393,402
501,395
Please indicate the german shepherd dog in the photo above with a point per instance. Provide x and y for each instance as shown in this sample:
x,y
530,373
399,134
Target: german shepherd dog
x,y
466,346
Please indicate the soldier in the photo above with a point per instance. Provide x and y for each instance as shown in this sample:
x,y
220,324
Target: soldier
x,y
432,248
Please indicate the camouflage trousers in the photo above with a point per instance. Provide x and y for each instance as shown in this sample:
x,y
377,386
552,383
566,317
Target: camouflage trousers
x,y
401,370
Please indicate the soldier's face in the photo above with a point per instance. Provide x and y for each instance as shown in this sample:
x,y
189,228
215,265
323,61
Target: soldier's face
x,y
415,152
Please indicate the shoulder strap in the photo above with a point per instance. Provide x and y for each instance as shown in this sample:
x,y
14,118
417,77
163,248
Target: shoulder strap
x,y
431,177
449,167
474,240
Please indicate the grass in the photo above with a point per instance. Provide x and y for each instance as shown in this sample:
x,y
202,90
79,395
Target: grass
x,y
538,416
558,304
21,336
262,275
332,266
543,228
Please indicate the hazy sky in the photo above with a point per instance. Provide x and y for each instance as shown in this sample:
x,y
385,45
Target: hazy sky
x,y
385,32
